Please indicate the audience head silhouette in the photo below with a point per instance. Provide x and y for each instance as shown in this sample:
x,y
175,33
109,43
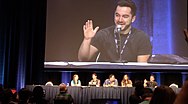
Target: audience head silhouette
x,y
163,95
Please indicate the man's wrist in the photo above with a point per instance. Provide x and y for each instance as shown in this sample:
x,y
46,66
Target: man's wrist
x,y
87,38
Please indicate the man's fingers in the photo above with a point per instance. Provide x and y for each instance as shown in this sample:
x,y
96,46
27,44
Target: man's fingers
x,y
87,24
91,23
96,29
84,27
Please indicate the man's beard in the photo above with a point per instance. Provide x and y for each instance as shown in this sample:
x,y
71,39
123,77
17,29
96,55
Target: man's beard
x,y
126,27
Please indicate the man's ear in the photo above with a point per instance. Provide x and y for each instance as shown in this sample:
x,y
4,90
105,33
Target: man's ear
x,y
133,19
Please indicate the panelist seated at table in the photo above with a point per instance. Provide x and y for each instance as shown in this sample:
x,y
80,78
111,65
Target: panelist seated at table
x,y
75,81
111,82
152,83
94,82
126,82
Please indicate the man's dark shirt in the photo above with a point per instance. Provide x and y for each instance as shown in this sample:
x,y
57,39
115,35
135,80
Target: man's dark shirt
x,y
137,44
151,84
63,98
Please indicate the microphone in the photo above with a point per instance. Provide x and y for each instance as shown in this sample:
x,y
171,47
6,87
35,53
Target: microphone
x,y
119,47
118,37
118,29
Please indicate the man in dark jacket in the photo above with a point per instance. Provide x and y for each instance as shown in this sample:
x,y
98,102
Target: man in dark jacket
x,y
63,97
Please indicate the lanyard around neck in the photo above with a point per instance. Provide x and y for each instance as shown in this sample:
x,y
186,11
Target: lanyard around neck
x,y
116,41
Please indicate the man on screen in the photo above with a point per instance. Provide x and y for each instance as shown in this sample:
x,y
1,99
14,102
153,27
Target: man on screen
x,y
131,44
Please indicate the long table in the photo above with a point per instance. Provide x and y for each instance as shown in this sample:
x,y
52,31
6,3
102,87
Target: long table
x,y
84,94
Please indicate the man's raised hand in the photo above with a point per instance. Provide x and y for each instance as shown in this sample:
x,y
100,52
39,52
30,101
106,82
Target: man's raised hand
x,y
89,32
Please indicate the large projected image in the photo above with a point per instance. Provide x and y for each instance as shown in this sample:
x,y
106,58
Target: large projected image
x,y
65,20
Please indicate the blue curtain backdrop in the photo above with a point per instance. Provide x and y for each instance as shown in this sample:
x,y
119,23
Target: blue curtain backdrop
x,y
22,35
22,39
164,21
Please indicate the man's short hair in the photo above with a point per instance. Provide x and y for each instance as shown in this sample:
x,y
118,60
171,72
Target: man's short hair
x,y
152,76
62,87
128,3
111,75
147,92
